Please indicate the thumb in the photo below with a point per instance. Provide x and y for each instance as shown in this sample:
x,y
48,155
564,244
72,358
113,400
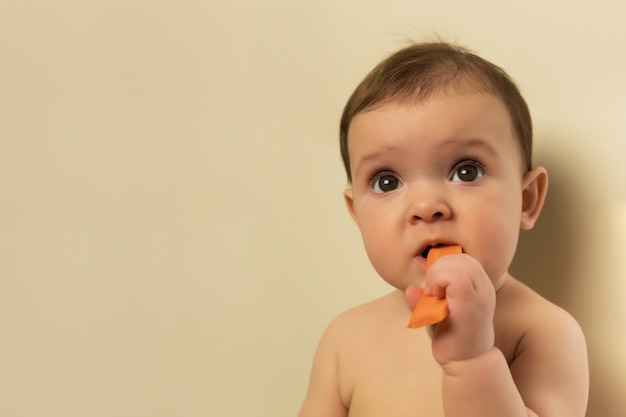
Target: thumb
x,y
412,294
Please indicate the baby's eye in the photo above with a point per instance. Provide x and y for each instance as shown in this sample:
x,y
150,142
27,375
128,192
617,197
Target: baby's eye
x,y
385,182
468,171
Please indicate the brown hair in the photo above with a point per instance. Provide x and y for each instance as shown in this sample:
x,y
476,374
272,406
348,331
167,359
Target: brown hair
x,y
422,70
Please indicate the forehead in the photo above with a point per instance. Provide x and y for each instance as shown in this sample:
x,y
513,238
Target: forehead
x,y
447,118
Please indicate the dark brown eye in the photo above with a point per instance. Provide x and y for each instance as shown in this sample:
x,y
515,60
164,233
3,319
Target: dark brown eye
x,y
468,171
385,183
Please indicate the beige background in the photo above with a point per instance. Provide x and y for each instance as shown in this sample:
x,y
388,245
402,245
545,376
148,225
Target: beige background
x,y
173,239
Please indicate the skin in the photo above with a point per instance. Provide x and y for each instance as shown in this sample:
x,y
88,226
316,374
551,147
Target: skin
x,y
446,170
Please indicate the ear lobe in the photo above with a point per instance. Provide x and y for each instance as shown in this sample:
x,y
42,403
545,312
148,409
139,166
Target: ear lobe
x,y
534,189
349,199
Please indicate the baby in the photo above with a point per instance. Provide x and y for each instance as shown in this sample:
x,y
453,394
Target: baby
x,y
437,146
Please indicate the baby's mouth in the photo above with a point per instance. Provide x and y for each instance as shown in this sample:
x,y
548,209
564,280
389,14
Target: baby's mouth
x,y
429,247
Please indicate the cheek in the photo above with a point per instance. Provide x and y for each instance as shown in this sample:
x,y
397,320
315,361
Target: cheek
x,y
498,231
381,242
375,241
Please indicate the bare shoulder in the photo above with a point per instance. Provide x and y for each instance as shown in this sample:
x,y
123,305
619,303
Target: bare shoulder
x,y
378,312
358,326
522,309
346,340
546,350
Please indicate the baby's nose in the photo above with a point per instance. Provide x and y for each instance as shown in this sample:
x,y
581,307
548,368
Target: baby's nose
x,y
429,207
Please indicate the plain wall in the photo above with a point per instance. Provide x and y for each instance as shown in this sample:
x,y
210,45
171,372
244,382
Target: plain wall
x,y
173,238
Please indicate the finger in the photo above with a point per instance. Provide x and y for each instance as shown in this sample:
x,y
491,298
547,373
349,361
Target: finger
x,y
412,294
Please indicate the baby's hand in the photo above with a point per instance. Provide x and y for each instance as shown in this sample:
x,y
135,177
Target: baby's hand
x,y
468,331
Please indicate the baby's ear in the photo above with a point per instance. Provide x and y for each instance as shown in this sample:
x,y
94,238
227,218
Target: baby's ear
x,y
349,199
534,189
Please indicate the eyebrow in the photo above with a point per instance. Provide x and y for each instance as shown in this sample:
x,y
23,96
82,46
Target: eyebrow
x,y
378,153
471,143
455,143
373,156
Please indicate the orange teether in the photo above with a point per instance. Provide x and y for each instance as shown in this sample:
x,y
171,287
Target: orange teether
x,y
431,310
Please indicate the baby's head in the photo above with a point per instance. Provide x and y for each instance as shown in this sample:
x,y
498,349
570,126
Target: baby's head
x,y
421,71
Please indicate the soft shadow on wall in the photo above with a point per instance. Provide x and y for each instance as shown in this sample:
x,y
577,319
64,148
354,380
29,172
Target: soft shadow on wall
x,y
562,258
544,255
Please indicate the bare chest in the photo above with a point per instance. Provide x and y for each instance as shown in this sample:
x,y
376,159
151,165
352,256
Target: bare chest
x,y
393,376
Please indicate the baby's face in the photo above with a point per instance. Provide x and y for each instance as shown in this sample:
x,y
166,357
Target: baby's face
x,y
446,170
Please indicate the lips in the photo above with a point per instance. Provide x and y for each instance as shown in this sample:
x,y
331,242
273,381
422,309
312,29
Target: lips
x,y
424,253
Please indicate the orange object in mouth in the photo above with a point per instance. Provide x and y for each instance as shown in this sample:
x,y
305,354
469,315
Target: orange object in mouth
x,y
431,310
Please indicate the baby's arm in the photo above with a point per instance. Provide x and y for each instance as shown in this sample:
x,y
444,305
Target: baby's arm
x,y
548,376
551,369
323,397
